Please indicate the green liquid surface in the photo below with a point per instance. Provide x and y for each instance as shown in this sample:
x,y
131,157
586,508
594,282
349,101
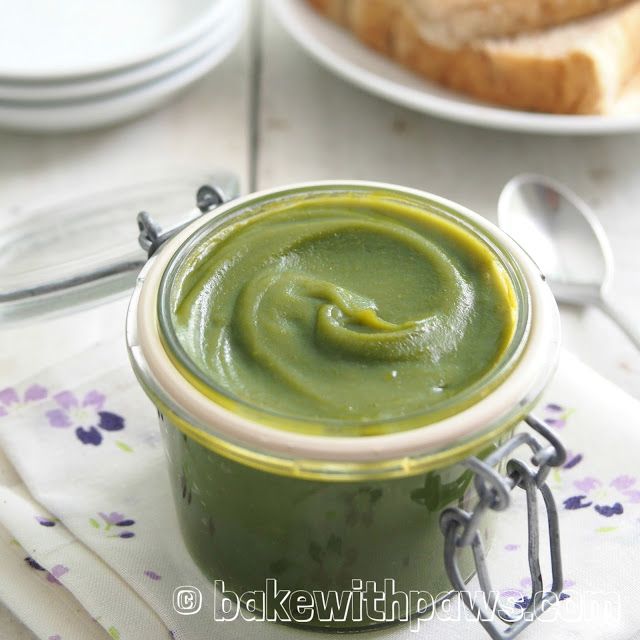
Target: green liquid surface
x,y
345,310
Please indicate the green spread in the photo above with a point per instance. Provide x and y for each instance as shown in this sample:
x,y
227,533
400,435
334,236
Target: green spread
x,y
343,309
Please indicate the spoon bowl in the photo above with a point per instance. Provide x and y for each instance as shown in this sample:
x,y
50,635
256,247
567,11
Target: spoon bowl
x,y
565,238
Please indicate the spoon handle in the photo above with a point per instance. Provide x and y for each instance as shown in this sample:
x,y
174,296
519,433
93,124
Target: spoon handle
x,y
630,329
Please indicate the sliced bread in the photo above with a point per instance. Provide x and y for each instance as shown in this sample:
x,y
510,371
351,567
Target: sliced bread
x,y
579,67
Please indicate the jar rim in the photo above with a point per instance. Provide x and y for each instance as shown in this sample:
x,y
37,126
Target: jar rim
x,y
404,451
292,197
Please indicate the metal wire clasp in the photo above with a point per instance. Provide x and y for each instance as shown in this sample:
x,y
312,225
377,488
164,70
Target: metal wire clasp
x,y
152,236
462,528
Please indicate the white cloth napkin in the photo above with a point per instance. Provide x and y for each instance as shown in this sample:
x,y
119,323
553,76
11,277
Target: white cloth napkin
x,y
33,593
92,511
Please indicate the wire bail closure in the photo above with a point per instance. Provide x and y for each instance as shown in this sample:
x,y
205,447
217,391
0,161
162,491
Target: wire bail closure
x,y
462,528
152,236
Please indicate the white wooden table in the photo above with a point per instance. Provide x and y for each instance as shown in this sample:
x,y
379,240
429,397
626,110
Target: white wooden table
x,y
273,116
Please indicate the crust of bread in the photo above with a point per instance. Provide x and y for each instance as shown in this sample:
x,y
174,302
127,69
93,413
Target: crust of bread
x,y
336,10
373,21
558,85
580,79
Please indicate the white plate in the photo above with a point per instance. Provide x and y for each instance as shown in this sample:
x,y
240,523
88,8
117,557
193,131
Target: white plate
x,y
45,39
88,114
35,93
341,52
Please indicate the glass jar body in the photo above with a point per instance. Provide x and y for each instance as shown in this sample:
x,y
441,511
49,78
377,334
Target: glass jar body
x,y
322,554
336,533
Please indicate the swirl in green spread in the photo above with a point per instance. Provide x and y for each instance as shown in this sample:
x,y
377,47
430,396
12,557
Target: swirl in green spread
x,y
343,309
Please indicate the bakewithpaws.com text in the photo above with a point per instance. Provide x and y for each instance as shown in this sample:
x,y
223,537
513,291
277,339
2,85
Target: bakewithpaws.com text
x,y
372,603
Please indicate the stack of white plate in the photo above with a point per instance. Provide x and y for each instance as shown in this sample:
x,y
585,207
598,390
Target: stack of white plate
x,y
78,64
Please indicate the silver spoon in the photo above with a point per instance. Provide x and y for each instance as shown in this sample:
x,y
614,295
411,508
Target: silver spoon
x,y
563,235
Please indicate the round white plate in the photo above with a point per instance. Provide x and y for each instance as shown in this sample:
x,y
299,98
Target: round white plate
x,y
88,114
34,93
45,40
341,52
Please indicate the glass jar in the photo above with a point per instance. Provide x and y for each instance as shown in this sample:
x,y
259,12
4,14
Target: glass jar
x,y
351,528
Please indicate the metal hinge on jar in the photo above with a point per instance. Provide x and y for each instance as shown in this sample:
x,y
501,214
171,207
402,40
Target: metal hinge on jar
x,y
152,236
462,528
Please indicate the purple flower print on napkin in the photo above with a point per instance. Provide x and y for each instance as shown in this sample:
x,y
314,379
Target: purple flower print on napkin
x,y
573,459
33,564
10,399
70,411
556,415
111,518
89,436
86,416
577,502
114,519
607,500
625,484
57,571
45,522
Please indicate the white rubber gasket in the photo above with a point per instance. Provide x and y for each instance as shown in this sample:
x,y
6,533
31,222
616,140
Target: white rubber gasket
x,y
536,363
